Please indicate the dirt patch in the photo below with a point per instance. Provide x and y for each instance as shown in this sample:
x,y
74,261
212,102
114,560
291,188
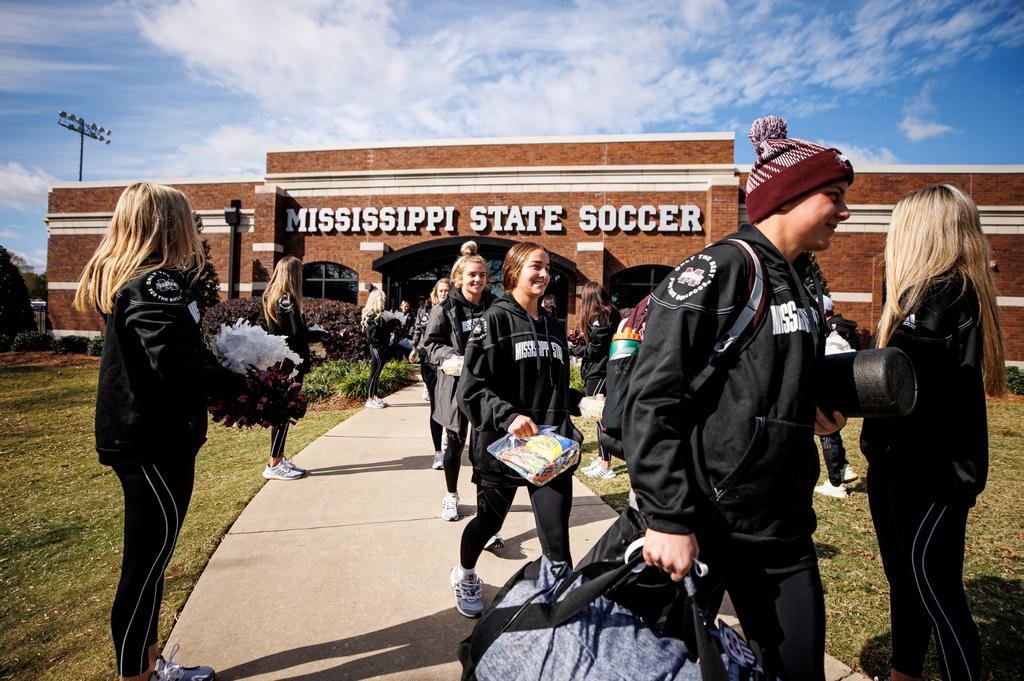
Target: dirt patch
x,y
337,403
45,358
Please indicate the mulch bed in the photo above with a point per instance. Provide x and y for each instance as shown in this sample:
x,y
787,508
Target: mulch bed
x,y
45,358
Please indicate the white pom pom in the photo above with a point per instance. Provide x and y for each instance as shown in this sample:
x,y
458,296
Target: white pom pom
x,y
767,128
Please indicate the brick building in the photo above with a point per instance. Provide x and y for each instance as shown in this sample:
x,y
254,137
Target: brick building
x,y
617,209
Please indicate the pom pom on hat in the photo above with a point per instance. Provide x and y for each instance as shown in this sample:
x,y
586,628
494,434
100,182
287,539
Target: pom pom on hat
x,y
767,128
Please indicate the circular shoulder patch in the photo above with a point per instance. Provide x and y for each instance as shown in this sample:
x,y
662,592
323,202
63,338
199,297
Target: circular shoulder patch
x,y
162,287
691,276
478,328
285,304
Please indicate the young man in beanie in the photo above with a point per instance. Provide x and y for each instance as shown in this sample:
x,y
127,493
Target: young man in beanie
x,y
729,472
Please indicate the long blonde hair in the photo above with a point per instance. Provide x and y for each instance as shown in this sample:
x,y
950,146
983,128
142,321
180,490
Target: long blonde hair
x,y
285,281
469,255
935,235
374,306
152,228
434,298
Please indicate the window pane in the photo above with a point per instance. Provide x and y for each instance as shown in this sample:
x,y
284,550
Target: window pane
x,y
340,290
312,289
314,271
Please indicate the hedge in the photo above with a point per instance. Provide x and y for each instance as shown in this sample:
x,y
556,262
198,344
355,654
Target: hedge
x,y
95,346
1015,380
66,345
5,342
31,340
350,379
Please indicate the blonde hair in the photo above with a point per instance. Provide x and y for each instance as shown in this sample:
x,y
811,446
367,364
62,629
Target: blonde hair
x,y
434,298
285,281
374,306
935,235
152,228
469,255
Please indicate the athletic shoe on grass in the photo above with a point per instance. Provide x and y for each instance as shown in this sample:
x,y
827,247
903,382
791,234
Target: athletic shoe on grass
x,y
467,593
603,474
596,463
450,507
849,475
291,464
281,471
830,490
167,670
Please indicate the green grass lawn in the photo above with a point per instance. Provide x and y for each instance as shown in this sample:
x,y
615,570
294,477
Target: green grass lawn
x,y
856,593
60,526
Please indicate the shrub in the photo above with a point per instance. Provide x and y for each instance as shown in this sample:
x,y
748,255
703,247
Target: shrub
x,y
31,340
15,309
229,311
5,342
345,339
65,345
323,380
1015,380
576,378
95,346
395,375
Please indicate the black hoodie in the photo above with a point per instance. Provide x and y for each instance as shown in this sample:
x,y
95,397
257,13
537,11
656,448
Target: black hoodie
x,y
739,459
594,353
293,327
156,374
517,365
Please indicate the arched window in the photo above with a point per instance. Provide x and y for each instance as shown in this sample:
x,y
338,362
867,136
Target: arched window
x,y
629,287
330,280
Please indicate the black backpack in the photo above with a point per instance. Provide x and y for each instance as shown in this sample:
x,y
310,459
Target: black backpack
x,y
627,340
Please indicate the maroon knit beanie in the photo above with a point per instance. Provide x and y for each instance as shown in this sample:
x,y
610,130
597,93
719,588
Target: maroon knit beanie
x,y
787,168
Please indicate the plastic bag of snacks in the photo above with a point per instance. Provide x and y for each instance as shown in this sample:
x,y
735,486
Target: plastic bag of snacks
x,y
539,458
453,365
592,407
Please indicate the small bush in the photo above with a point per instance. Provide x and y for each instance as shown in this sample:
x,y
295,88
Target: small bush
x,y
323,380
345,339
1015,380
5,342
31,340
576,379
230,311
395,375
66,345
95,346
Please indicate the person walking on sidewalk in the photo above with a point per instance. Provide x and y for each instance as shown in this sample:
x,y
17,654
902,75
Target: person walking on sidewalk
x,y
427,370
516,377
837,468
451,324
155,379
378,341
597,322
282,309
730,471
926,469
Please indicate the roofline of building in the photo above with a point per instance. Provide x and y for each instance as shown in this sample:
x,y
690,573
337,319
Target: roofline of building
x,y
936,169
492,141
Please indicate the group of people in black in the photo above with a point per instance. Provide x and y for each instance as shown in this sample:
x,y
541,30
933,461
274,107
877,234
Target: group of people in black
x,y
726,473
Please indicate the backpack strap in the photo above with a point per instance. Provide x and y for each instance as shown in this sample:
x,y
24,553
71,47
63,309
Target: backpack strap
x,y
746,321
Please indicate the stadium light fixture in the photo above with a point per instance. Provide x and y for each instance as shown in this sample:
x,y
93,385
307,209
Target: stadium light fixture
x,y
77,124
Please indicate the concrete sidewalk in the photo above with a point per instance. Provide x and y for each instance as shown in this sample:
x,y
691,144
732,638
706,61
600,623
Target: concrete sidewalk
x,y
344,574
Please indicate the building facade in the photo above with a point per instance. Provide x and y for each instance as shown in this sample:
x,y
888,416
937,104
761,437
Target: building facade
x,y
617,209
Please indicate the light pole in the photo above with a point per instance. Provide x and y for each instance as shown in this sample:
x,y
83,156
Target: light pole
x,y
78,124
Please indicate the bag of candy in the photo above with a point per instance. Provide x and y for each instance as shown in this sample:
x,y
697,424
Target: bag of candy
x,y
539,458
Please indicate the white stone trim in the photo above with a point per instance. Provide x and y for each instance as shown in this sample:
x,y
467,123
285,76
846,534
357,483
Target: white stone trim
x,y
268,247
62,285
875,218
846,297
1010,301
246,288
372,246
60,224
367,285
579,290
492,141
92,333
921,169
589,246
77,230
1015,363
238,179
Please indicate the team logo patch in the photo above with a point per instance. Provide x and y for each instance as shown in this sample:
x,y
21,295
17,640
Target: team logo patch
x,y
910,322
692,276
478,329
162,287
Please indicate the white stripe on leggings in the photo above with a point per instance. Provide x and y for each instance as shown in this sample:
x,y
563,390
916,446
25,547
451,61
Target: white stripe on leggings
x,y
935,622
138,602
277,440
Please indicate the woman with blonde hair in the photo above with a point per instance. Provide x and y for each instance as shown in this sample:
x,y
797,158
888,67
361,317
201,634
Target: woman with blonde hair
x,y
427,370
452,324
926,469
282,309
155,378
378,339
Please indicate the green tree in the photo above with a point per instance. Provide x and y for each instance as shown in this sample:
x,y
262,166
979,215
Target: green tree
x,y
810,269
206,291
15,311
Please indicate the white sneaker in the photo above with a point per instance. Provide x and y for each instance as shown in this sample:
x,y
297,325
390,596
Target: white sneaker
x,y
830,490
375,404
383,403
281,471
467,593
597,472
604,474
494,543
450,507
849,475
426,394
291,464
167,670
438,464
595,463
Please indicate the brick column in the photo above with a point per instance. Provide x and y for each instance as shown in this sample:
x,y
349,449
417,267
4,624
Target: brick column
x,y
265,243
363,260
589,267
721,214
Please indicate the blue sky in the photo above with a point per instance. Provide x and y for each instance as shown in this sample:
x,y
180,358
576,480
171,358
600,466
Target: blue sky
x,y
204,88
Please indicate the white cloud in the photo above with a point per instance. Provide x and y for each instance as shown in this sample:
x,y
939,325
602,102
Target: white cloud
x,y
9,233
22,188
861,156
916,129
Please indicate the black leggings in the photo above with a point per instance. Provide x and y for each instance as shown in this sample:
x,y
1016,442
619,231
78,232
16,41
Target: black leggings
x,y
429,374
453,458
551,503
834,453
781,608
922,547
376,366
595,386
278,434
156,498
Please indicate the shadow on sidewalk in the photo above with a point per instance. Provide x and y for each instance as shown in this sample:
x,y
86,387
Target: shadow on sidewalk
x,y
403,464
418,644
